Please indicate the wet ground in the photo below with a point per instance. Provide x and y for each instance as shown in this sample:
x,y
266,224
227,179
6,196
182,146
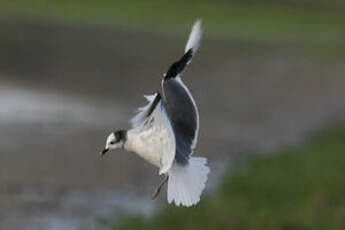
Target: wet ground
x,y
63,88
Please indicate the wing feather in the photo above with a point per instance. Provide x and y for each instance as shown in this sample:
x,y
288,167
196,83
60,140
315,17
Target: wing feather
x,y
145,111
195,36
191,48
161,119
184,117
181,107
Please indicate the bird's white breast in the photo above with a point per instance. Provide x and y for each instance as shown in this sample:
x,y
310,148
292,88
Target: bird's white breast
x,y
150,143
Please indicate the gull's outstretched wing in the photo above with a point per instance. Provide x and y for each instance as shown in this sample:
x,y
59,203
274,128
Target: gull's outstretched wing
x,y
181,107
184,117
154,117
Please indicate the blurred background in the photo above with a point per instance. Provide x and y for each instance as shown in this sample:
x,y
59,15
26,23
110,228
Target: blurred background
x,y
269,81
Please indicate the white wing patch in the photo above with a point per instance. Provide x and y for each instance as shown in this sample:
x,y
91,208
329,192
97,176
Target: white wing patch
x,y
142,112
168,139
194,39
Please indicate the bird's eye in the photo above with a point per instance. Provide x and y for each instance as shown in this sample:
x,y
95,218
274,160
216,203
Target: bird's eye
x,y
112,142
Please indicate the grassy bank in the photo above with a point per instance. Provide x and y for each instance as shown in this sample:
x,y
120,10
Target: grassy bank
x,y
253,21
302,188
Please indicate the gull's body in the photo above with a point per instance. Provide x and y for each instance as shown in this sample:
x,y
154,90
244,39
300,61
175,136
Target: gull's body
x,y
153,138
165,132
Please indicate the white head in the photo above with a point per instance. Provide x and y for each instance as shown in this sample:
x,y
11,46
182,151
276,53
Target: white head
x,y
115,140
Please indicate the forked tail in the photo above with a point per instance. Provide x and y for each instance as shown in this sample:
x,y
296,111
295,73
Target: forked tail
x,y
186,183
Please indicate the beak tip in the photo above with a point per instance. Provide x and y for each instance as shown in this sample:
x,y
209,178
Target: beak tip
x,y
100,154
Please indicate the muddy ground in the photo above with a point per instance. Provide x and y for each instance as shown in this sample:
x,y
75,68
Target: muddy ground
x,y
63,88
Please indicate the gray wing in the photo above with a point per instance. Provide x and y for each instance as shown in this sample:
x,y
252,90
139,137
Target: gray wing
x,y
181,107
183,115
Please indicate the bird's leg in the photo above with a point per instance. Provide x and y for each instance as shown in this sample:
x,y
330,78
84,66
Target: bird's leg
x,y
159,187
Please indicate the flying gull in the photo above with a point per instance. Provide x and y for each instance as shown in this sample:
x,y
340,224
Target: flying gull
x,y
165,133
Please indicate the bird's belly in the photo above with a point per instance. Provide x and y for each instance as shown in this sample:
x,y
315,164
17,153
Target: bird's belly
x,y
153,157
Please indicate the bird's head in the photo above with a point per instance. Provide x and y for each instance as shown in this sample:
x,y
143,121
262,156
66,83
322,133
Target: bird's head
x,y
115,140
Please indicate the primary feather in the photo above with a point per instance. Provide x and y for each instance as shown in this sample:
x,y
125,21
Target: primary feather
x,y
194,40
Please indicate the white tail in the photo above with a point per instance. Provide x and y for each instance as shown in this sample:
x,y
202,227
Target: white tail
x,y
186,183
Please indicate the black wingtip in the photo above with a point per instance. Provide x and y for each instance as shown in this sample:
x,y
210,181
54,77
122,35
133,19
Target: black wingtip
x,y
154,103
177,67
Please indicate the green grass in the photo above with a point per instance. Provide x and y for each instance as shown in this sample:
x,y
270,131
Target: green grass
x,y
302,188
255,21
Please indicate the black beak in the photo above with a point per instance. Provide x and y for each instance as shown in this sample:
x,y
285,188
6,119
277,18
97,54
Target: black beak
x,y
103,152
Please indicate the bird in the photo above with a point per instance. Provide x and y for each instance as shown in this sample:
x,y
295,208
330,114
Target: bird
x,y
165,132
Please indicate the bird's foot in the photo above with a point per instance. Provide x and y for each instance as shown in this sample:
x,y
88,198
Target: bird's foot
x,y
159,187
